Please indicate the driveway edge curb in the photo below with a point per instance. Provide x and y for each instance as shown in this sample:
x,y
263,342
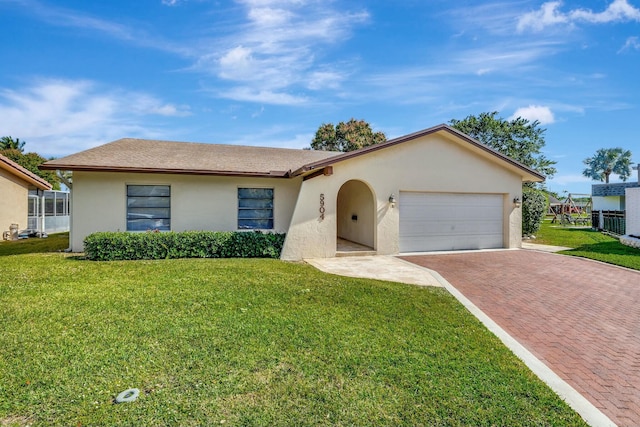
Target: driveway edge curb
x,y
592,415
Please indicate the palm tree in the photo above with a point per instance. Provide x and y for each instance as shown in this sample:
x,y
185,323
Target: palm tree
x,y
8,143
607,161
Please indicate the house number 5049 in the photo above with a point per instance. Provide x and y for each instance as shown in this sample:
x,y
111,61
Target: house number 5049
x,y
321,206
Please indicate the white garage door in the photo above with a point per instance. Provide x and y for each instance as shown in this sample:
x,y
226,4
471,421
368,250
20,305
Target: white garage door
x,y
444,221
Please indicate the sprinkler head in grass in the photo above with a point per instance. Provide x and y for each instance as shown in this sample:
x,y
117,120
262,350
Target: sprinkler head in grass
x,y
128,395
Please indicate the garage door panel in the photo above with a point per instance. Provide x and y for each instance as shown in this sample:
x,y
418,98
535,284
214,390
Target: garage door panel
x,y
442,221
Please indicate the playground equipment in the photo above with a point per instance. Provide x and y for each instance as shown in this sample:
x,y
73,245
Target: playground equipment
x,y
575,210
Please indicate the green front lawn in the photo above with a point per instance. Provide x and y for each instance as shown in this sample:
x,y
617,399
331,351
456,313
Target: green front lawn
x,y
588,243
54,243
248,342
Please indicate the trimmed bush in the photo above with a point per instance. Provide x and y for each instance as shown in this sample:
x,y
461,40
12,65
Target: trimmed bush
x,y
534,206
110,246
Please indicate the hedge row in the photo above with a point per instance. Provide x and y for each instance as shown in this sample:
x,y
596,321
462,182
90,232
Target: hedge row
x,y
534,206
110,246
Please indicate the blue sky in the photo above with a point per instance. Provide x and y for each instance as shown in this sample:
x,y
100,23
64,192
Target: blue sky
x,y
77,73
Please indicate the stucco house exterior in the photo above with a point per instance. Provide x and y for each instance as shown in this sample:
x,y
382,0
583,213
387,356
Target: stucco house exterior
x,y
633,211
15,183
612,196
436,189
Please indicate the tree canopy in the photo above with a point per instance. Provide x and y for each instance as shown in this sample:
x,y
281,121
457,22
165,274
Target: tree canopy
x,y
346,136
519,138
607,161
8,143
14,150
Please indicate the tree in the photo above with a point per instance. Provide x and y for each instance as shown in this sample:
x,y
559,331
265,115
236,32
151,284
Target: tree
x,y
29,161
65,177
346,136
8,143
607,161
518,138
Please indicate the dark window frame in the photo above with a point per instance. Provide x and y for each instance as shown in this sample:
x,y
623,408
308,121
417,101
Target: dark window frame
x,y
148,207
255,208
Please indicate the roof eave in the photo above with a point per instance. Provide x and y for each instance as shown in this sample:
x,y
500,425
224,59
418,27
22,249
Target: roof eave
x,y
84,168
24,174
529,176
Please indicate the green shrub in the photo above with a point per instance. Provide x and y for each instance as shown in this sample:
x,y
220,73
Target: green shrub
x,y
534,206
110,246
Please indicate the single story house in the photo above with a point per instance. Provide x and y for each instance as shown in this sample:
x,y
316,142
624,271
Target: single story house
x,y
436,189
15,183
611,197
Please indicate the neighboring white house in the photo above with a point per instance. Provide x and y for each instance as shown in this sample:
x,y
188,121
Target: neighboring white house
x,y
15,184
436,189
611,197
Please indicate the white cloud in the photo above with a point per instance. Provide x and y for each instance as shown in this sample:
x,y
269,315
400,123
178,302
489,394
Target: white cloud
x,y
617,11
631,43
542,114
547,15
325,79
275,48
249,94
550,14
275,51
57,117
63,17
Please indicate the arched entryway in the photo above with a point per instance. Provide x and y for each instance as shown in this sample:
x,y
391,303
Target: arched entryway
x,y
356,215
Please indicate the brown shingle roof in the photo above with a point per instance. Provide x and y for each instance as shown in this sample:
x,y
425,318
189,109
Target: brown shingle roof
x,y
24,174
142,155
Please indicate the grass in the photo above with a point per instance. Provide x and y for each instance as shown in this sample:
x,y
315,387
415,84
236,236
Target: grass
x,y
588,243
248,342
54,243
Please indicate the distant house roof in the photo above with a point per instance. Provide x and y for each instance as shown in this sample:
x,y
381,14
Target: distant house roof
x,y
616,189
553,201
22,173
152,156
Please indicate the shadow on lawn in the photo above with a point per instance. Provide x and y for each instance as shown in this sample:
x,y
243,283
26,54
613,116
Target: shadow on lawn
x,y
54,243
611,252
607,248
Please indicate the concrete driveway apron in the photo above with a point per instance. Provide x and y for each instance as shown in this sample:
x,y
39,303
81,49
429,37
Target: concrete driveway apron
x,y
580,317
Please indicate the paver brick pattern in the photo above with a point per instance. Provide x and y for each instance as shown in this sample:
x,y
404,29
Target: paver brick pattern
x,y
580,317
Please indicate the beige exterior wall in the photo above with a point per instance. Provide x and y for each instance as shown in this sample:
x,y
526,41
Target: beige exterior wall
x,y
197,202
438,162
14,203
433,163
356,213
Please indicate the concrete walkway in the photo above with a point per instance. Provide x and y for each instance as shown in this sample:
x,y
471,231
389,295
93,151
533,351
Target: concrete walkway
x,y
574,322
544,248
376,267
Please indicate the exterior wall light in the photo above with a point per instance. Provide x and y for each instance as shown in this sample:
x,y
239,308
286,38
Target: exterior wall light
x,y
392,200
517,202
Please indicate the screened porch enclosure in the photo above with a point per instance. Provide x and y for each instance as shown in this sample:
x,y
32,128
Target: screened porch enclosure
x,y
48,211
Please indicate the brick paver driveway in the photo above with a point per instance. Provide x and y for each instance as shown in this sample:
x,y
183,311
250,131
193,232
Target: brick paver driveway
x,y
580,317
